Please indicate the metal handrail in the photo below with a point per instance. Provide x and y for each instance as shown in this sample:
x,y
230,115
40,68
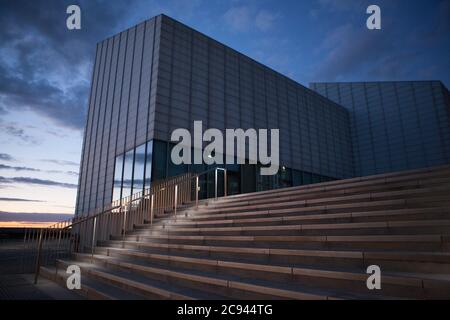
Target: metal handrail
x,y
82,233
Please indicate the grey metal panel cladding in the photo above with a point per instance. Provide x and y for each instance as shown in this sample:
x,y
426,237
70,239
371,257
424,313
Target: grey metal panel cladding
x,y
86,139
101,143
108,123
111,119
93,131
162,75
395,125
230,90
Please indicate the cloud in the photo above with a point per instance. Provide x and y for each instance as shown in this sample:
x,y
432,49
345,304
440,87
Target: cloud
x,y
20,200
342,5
344,57
6,157
46,68
15,168
246,18
70,173
264,20
35,216
35,181
61,162
4,166
12,130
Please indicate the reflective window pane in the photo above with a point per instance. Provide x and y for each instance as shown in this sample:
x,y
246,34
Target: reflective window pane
x,y
139,164
148,165
159,160
118,177
174,169
127,174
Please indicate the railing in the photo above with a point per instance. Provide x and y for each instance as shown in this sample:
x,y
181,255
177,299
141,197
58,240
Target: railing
x,y
82,233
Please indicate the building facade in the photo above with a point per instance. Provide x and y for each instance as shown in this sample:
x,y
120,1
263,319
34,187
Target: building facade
x,y
162,75
394,125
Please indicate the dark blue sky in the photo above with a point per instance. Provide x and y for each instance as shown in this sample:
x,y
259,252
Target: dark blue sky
x,y
45,69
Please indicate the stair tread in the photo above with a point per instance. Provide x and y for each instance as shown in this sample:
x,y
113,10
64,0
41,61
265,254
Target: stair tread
x,y
284,268
229,280
109,291
301,227
307,242
141,281
312,238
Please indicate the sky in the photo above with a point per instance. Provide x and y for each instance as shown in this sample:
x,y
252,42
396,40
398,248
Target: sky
x,y
46,69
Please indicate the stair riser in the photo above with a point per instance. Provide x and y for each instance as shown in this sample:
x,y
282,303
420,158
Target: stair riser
x,y
310,281
187,283
407,230
438,177
293,260
410,266
120,284
278,213
323,195
422,180
238,223
318,245
243,257
418,199
84,292
272,260
299,211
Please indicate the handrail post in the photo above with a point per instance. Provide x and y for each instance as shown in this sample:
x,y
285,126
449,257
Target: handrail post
x,y
93,238
176,200
124,222
225,182
38,258
196,192
151,209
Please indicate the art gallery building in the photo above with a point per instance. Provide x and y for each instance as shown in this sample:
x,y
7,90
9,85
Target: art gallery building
x,y
161,75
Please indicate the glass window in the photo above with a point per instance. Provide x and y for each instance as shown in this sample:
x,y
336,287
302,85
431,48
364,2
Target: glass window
x,y
139,164
159,160
307,178
296,178
118,177
148,165
175,170
284,177
248,178
263,182
127,174
316,178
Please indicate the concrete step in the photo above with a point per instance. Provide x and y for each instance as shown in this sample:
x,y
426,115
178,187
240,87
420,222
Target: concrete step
x,y
356,260
234,284
130,284
414,186
90,288
316,191
413,196
420,178
353,228
369,216
422,242
308,242
265,212
398,284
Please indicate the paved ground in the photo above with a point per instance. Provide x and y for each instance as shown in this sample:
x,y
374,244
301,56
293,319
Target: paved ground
x,y
16,276
21,287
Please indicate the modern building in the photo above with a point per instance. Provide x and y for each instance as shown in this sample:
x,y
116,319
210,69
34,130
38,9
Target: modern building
x,y
162,75
394,125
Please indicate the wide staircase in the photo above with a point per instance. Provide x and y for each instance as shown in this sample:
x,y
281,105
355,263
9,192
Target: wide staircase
x,y
308,242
